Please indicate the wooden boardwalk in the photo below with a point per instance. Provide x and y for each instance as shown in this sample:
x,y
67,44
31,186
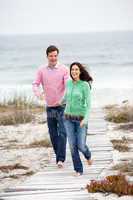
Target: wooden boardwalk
x,y
57,183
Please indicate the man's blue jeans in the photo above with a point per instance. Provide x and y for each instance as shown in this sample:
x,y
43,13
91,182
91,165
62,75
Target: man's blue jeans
x,y
77,142
57,131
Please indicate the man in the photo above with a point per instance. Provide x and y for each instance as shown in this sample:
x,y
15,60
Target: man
x,y
53,79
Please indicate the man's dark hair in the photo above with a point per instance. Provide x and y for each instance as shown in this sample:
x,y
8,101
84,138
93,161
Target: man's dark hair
x,y
51,48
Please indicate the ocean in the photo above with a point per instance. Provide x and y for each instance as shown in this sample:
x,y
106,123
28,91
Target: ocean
x,y
107,55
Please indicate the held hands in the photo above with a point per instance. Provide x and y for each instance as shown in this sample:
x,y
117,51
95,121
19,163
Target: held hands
x,y
42,97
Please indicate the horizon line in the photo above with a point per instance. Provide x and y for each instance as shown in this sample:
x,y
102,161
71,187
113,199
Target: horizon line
x,y
74,32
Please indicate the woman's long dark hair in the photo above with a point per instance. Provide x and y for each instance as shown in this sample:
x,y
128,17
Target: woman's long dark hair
x,y
84,74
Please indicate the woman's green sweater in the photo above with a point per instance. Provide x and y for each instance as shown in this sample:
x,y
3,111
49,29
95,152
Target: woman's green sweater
x,y
78,98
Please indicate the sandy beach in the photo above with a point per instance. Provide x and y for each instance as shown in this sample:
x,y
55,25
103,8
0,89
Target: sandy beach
x,y
24,150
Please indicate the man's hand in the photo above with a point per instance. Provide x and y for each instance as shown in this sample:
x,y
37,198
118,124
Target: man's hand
x,y
42,97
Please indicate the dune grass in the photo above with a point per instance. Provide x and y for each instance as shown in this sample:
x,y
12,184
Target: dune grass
x,y
8,168
124,167
35,144
40,143
126,126
17,176
18,110
121,145
16,117
119,114
20,103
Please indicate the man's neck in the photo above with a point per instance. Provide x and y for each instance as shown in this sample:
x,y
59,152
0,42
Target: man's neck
x,y
52,66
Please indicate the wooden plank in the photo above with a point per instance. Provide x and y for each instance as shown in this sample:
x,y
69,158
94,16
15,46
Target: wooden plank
x,y
61,195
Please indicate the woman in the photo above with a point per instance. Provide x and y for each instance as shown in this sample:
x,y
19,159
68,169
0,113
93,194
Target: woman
x,y
77,98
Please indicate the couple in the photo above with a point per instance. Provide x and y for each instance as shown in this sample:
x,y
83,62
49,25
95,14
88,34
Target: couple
x,y
67,105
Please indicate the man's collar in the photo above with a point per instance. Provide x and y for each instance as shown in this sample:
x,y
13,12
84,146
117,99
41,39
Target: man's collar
x,y
56,66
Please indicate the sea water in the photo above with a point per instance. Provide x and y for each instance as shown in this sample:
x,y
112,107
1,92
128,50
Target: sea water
x,y
107,55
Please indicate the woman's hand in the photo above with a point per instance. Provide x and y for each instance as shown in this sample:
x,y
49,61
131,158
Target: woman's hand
x,y
82,123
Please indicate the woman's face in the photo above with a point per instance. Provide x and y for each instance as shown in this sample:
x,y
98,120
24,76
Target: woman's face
x,y
75,72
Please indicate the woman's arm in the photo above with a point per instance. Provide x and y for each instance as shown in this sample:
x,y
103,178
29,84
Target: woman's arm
x,y
87,96
63,100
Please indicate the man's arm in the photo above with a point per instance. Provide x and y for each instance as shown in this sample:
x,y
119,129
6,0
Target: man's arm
x,y
36,84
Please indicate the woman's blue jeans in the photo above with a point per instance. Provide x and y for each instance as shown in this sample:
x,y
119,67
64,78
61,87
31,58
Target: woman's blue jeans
x,y
77,142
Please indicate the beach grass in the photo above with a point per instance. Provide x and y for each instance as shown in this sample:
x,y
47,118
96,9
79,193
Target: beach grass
x,y
121,145
126,126
40,143
18,176
35,144
20,102
18,110
119,114
124,167
16,117
8,168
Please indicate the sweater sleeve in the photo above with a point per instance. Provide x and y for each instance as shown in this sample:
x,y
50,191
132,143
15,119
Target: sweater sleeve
x,y
36,83
87,94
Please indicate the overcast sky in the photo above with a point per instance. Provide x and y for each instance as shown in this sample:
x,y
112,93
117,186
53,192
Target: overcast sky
x,y
43,16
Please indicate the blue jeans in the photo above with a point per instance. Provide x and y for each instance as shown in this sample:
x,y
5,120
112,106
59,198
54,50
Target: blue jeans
x,y
57,131
77,142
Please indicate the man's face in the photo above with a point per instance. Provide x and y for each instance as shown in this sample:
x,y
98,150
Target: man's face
x,y
52,58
